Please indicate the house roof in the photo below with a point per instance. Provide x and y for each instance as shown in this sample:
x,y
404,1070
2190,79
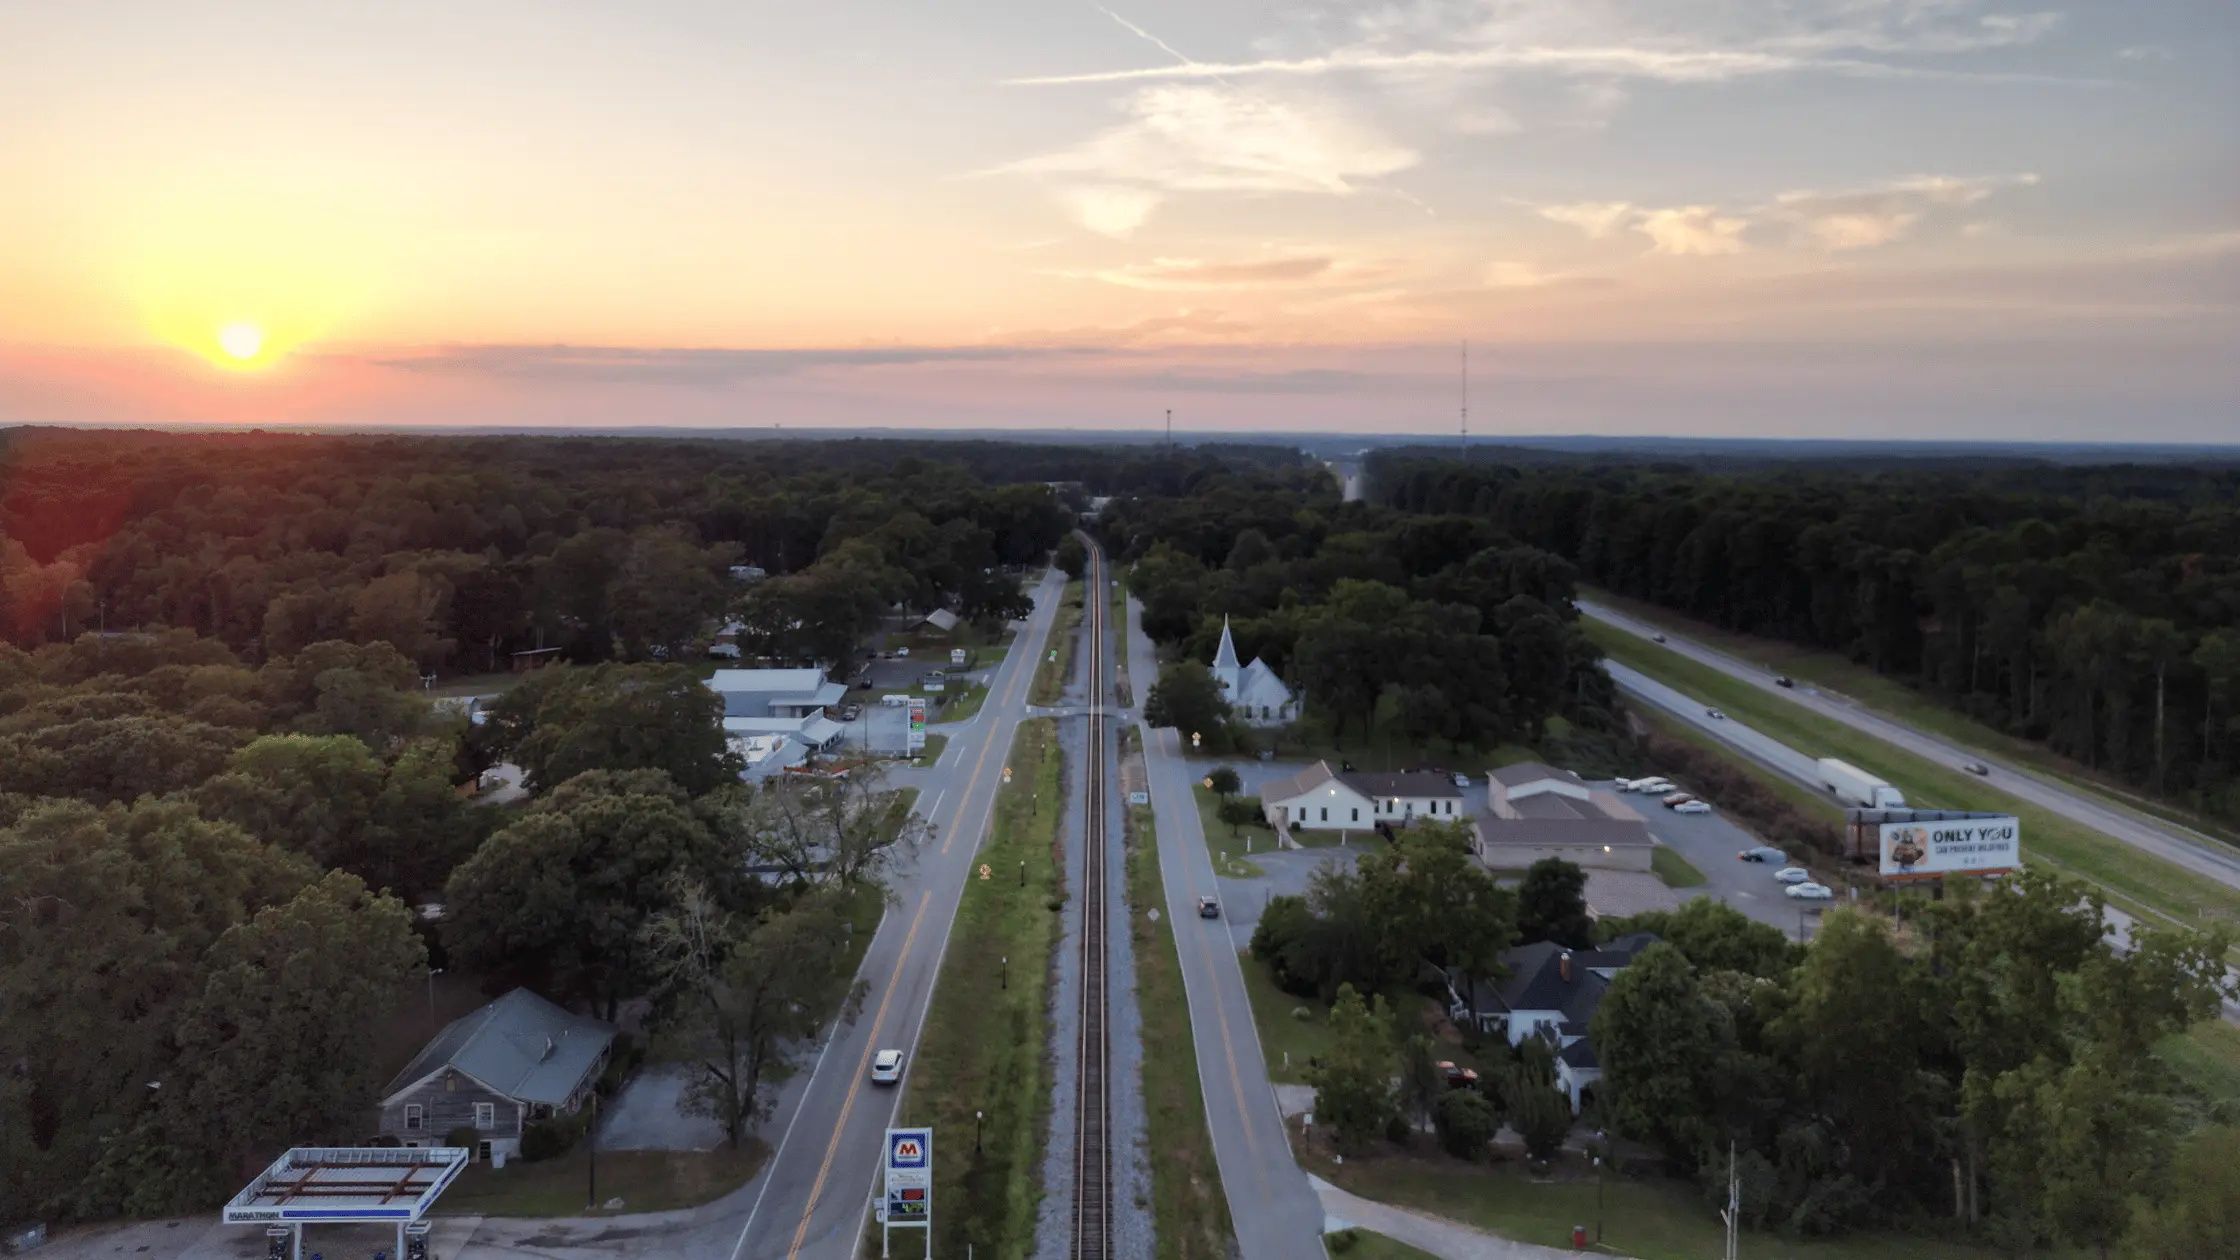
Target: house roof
x,y
1579,1054
1298,785
941,619
520,1045
1417,783
1523,772
1536,983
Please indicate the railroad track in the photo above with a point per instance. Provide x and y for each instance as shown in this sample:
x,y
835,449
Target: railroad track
x,y
1092,1140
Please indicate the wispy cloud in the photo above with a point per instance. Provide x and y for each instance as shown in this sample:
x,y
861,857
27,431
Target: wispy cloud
x,y
1682,230
687,366
1108,210
1864,218
1199,138
1596,218
1192,273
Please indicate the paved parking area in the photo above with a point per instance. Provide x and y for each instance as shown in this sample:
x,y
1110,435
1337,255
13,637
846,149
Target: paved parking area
x,y
1710,842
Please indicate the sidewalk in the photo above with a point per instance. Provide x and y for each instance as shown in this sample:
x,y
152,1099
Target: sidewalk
x,y
1445,1239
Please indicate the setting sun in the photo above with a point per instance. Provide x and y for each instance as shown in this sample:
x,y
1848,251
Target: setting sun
x,y
242,341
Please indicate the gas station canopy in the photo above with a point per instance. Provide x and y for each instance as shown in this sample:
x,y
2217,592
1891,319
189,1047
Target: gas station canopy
x,y
346,1185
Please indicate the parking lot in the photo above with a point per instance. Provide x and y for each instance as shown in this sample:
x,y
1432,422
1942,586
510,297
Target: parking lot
x,y
1709,842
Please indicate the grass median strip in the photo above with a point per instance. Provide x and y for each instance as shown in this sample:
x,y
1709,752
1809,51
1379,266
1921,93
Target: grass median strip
x,y
984,1047
2134,880
1228,850
1189,1209
1674,870
1051,671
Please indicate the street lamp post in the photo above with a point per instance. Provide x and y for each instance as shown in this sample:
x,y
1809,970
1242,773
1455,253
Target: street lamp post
x,y
1007,971
433,972
976,1133
1601,1160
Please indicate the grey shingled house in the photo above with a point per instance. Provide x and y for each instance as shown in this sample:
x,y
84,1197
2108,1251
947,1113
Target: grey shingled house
x,y
518,1059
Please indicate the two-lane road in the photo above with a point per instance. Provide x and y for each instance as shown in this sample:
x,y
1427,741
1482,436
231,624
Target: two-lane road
x,y
1271,1204
812,1202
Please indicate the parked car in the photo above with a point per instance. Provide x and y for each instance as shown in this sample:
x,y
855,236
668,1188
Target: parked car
x,y
1783,680
1762,853
1462,780
1976,767
1654,787
1208,908
886,1067
1677,799
1793,875
1458,1077
1715,715
902,654
1692,807
849,713
1811,892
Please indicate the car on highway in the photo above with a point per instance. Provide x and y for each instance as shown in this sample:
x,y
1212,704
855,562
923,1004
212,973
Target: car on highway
x,y
1656,638
1692,807
1676,800
1208,908
1715,715
1783,680
1762,853
886,1067
1793,875
1811,892
1975,767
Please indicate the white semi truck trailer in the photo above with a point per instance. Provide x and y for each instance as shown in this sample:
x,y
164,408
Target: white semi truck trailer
x,y
1854,786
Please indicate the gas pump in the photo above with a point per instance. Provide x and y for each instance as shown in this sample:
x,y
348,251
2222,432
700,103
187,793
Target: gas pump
x,y
416,1241
279,1242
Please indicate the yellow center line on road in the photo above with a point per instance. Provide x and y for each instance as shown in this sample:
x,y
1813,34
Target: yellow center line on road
x,y
855,1081
848,1104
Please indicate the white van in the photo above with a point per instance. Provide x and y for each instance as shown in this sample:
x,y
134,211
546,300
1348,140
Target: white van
x,y
894,701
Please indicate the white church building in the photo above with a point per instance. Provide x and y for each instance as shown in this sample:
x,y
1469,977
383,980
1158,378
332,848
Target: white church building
x,y
1256,696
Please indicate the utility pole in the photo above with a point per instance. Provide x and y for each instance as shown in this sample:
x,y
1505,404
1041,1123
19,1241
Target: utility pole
x,y
1170,429
1465,394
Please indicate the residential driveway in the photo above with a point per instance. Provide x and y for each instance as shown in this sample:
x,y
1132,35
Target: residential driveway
x,y
644,1116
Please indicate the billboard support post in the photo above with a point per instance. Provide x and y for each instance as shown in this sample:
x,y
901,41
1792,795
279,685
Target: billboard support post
x,y
907,1187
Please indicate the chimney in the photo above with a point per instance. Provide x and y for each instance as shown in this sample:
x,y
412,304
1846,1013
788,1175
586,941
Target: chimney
x,y
1563,967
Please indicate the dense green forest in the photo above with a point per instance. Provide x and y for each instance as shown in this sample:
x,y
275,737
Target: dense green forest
x,y
223,789
2096,609
1431,629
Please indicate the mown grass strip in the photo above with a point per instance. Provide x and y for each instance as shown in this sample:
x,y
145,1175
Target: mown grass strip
x,y
2135,880
1051,671
1674,870
985,1044
1228,851
1190,1212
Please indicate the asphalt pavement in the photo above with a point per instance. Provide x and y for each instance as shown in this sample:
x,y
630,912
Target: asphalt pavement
x,y
815,1197
1271,1205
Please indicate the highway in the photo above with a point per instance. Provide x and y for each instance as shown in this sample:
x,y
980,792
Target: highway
x,y
2177,845
1271,1205
813,1200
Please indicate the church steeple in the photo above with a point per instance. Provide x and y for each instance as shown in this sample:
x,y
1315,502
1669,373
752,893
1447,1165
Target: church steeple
x,y
1226,658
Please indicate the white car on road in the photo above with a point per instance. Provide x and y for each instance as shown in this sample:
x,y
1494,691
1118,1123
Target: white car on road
x,y
1692,807
886,1067
1811,892
1793,875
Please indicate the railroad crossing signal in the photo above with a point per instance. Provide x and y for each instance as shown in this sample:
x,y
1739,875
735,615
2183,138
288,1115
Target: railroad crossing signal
x,y
1208,780
1194,739
984,872
1007,774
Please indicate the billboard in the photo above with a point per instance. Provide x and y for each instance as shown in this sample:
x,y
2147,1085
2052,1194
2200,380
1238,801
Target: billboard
x,y
917,742
1982,845
909,1176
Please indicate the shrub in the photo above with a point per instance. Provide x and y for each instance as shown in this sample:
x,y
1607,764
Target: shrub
x,y
1542,1117
1465,1122
549,1137
464,1136
1345,1240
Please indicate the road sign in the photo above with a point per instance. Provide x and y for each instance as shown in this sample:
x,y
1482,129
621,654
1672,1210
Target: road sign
x,y
917,740
1139,798
908,1197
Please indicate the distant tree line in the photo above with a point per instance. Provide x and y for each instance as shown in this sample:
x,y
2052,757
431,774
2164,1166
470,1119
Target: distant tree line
x,y
2096,609
1442,628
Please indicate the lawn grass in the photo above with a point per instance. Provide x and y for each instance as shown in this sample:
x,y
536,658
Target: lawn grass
x,y
2134,880
1674,870
1051,672
1189,1211
1384,754
1228,854
1362,1244
1120,619
1835,673
476,684
645,1181
2206,1059
1644,1218
985,1044
965,704
1282,1034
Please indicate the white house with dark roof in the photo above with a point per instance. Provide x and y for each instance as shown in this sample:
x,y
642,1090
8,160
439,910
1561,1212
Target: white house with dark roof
x,y
1256,696
518,1059
1321,799
1552,993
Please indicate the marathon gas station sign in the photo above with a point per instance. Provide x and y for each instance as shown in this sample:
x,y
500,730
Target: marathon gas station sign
x,y
908,1187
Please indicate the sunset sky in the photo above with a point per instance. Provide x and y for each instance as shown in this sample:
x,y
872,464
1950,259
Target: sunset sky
x,y
1812,218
